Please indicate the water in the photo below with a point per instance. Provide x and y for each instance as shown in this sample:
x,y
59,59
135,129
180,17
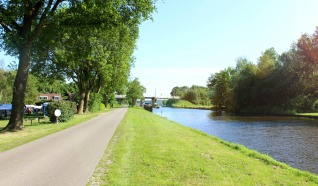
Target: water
x,y
291,140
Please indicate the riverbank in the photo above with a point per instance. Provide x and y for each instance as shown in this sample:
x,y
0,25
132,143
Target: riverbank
x,y
188,105
150,150
174,103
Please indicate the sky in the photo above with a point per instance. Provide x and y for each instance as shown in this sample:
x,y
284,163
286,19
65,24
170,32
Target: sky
x,y
188,40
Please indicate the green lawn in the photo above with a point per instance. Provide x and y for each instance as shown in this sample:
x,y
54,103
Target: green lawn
x,y
37,130
149,150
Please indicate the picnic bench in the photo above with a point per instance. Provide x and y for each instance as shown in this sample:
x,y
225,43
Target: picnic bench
x,y
39,118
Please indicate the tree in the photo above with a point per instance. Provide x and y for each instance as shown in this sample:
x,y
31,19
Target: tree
x,y
24,22
134,91
267,62
221,86
96,57
307,68
179,91
244,82
82,58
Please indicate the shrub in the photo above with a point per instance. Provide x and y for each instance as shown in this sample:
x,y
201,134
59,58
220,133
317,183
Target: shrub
x,y
170,102
67,109
102,106
95,102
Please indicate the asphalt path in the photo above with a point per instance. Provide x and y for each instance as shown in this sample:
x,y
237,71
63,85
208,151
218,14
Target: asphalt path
x,y
68,157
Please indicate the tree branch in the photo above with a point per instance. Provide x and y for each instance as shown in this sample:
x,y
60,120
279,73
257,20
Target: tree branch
x,y
36,8
43,17
4,26
56,4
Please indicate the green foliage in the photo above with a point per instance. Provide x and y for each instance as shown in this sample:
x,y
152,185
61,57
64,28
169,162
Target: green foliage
x,y
31,94
102,106
195,94
3,83
95,102
134,91
67,108
90,42
31,90
7,89
278,84
171,102
222,85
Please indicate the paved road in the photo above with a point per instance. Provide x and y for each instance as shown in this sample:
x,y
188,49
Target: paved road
x,y
68,157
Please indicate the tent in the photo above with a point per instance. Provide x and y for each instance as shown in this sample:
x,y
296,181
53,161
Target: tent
x,y
5,110
5,106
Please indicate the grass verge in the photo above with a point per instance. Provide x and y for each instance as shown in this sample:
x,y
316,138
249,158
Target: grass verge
x,y
149,150
37,130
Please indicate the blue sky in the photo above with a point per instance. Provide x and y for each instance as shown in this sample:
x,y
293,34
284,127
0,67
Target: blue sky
x,y
188,40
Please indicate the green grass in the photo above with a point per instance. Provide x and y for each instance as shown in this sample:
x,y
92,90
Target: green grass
x,y
149,150
37,130
185,104
308,114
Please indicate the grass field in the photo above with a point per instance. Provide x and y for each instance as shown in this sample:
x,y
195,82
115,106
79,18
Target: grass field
x,y
37,130
149,150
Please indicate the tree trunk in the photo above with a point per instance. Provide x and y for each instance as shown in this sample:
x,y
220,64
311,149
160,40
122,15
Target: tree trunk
x,y
18,98
86,100
106,100
81,103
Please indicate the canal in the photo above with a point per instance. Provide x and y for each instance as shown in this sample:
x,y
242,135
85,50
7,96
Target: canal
x,y
291,140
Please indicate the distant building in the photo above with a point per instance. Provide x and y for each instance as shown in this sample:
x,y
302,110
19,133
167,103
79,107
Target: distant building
x,y
120,96
50,97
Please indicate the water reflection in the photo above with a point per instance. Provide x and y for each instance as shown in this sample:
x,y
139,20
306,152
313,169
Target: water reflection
x,y
287,139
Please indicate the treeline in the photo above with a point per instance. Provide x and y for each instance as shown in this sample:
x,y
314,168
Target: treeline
x,y
37,85
195,94
278,84
87,42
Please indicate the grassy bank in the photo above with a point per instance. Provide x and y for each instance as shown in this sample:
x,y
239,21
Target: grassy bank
x,y
308,115
185,104
37,130
149,150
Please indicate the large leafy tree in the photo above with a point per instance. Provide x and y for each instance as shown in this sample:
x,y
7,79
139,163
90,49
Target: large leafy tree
x,y
307,50
23,23
245,80
100,57
82,58
179,91
134,91
221,86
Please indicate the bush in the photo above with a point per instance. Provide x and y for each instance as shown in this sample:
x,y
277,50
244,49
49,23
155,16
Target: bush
x,y
102,106
170,102
95,102
67,108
